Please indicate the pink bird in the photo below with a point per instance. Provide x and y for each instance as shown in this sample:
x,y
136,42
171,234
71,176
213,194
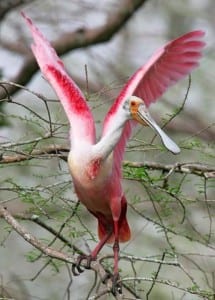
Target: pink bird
x,y
95,166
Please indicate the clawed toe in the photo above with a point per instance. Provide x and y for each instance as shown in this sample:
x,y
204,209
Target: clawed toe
x,y
77,270
76,267
116,286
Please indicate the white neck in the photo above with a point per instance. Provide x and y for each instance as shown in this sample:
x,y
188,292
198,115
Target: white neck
x,y
108,141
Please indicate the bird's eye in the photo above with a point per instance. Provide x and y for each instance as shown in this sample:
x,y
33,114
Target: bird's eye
x,y
133,103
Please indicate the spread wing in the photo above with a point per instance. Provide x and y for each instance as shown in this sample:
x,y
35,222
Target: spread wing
x,y
168,65
72,99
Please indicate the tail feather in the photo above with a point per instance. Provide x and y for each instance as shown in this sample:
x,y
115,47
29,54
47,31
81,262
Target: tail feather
x,y
124,232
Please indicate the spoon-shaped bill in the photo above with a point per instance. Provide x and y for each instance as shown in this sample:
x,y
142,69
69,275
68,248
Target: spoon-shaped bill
x,y
146,118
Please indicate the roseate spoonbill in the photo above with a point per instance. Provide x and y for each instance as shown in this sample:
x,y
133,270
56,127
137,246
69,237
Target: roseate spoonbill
x,y
96,166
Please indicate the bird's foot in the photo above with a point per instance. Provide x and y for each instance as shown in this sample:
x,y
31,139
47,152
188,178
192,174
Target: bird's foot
x,y
76,267
116,286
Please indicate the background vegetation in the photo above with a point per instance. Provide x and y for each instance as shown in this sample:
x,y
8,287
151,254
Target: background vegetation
x,y
171,198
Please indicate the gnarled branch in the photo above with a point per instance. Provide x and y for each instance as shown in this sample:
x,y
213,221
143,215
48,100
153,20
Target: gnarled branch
x,y
50,252
80,38
195,168
7,6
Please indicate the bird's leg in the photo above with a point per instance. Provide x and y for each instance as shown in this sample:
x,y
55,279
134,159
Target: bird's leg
x,y
116,287
99,246
76,266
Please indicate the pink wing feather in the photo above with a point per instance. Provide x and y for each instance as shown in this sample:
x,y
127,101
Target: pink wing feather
x,y
168,65
71,97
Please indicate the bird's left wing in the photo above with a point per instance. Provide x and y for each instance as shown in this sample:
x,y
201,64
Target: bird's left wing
x,y
168,65
71,97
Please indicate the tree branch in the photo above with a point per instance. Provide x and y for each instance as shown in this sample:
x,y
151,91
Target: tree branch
x,y
32,239
50,252
80,38
199,169
51,151
55,254
7,6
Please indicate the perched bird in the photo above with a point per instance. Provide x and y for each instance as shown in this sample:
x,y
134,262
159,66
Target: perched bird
x,y
95,166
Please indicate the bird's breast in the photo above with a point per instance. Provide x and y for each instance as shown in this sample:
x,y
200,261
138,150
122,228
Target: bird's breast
x,y
92,181
89,170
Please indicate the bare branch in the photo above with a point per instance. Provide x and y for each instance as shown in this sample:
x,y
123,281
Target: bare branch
x,y
32,239
7,6
155,277
52,253
200,169
51,151
81,38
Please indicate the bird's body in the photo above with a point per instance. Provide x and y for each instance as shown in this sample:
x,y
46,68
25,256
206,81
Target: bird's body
x,y
91,178
94,180
98,185
95,166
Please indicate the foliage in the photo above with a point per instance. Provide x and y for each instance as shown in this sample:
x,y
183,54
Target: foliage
x,y
163,202
171,199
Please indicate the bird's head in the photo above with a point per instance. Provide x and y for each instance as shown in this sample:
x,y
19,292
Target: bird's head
x,y
137,110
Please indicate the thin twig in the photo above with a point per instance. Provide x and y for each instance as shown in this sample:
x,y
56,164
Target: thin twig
x,y
178,111
155,276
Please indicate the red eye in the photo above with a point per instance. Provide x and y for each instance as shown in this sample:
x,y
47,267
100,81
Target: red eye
x,y
133,103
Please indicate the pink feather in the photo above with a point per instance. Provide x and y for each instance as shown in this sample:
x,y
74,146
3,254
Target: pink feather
x,y
72,99
168,65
